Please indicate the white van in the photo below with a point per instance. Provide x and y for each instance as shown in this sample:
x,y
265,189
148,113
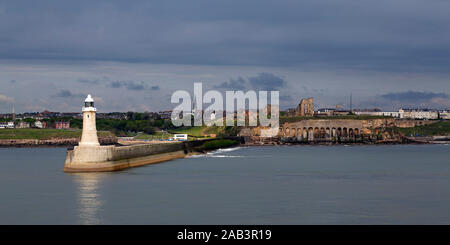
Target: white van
x,y
180,137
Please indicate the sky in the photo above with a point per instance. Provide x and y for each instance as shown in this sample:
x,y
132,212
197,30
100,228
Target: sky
x,y
132,55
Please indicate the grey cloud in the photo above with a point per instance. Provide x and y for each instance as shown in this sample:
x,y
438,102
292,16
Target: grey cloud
x,y
412,35
233,84
267,81
64,93
88,81
413,96
12,81
132,85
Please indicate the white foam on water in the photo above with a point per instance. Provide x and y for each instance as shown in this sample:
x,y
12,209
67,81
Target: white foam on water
x,y
218,153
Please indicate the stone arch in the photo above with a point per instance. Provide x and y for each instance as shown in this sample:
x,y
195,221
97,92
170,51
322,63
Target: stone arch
x,y
322,133
344,132
293,131
350,133
339,132
327,133
333,132
310,133
316,133
286,132
357,132
299,133
305,133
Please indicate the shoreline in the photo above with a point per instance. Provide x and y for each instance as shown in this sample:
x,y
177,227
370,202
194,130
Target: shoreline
x,y
70,146
37,143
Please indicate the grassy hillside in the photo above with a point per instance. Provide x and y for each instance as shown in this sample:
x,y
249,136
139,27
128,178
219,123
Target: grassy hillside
x,y
205,131
216,144
434,129
156,136
43,134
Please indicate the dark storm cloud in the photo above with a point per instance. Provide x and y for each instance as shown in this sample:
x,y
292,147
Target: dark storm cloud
x,y
263,81
413,96
64,93
267,81
233,84
132,85
88,81
386,35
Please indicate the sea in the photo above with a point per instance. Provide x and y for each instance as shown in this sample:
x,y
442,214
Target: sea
x,y
342,184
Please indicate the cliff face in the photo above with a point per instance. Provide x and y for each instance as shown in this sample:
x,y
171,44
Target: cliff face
x,y
52,142
353,130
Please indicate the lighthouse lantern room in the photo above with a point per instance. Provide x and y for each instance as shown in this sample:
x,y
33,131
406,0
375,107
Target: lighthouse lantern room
x,y
89,133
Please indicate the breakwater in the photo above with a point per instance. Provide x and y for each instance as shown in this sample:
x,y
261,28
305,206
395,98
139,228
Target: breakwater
x,y
113,158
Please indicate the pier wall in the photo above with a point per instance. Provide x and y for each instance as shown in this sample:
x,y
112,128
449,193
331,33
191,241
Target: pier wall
x,y
111,158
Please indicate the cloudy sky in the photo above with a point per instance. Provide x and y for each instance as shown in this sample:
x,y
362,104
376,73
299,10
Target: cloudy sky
x,y
132,55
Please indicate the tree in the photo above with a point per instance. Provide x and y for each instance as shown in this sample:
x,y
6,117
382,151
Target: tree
x,y
149,130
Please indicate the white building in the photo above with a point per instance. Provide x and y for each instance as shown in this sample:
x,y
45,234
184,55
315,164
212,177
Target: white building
x,y
444,115
418,114
39,124
379,113
23,124
7,125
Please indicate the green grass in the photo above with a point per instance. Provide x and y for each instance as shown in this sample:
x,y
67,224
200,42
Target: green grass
x,y
156,136
44,134
204,131
434,129
215,144
192,131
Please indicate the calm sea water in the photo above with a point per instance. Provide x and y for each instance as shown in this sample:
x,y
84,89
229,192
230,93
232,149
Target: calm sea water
x,y
404,184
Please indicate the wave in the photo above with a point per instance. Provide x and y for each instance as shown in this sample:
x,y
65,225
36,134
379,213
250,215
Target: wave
x,y
227,149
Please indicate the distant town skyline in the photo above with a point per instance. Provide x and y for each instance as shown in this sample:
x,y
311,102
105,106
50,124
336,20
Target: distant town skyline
x,y
133,56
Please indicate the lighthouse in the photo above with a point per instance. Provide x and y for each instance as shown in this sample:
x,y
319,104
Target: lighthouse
x,y
89,134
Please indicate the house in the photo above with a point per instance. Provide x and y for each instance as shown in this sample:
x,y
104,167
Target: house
x,y
6,125
444,114
23,124
325,111
418,114
39,124
62,125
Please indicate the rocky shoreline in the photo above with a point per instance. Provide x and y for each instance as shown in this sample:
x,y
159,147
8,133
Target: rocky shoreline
x,y
69,142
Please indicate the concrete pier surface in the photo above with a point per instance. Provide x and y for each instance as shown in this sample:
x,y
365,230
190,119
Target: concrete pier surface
x,y
113,158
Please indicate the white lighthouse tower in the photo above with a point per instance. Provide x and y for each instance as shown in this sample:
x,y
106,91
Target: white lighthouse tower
x,y
89,134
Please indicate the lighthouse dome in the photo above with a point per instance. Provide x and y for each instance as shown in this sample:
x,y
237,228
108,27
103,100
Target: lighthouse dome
x,y
89,99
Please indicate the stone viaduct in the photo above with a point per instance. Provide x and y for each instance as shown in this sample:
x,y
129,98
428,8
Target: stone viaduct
x,y
323,130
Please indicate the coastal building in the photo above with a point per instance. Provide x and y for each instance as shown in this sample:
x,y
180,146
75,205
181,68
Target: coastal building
x,y
326,111
418,114
341,112
305,108
4,125
23,124
444,115
89,133
40,124
394,114
62,125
